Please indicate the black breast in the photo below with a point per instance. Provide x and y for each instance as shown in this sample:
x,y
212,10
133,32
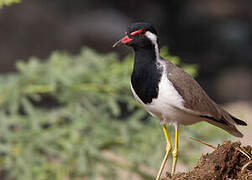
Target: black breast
x,y
145,79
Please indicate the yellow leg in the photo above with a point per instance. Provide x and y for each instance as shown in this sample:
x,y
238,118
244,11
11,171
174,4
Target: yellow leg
x,y
175,151
168,148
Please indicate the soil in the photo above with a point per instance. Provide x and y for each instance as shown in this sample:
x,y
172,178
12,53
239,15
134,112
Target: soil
x,y
227,162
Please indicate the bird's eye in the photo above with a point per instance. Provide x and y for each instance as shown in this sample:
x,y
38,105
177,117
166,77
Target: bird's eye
x,y
142,32
138,32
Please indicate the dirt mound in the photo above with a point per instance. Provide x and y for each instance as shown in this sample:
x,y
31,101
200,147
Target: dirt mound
x,y
227,162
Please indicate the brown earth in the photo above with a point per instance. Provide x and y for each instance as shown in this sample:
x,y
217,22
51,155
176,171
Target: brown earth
x,y
227,162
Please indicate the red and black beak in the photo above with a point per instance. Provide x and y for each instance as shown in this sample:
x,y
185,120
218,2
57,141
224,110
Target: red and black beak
x,y
124,40
128,39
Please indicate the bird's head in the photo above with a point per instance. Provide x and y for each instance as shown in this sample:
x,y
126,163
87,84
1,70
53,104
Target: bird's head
x,y
139,35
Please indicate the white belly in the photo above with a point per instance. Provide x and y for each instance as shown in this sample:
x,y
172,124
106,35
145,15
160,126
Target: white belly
x,y
169,105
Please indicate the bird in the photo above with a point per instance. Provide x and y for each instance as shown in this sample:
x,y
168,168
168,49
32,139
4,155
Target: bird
x,y
167,92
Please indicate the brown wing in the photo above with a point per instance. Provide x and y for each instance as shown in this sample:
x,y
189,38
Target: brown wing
x,y
196,100
194,96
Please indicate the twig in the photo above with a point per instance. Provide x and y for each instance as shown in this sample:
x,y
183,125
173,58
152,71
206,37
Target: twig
x,y
246,165
243,151
200,141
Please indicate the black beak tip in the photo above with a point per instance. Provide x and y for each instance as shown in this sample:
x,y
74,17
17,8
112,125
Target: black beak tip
x,y
117,43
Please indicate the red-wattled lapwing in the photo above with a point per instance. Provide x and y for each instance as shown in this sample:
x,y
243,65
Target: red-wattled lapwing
x,y
169,93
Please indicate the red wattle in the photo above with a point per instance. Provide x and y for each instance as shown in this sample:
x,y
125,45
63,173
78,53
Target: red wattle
x,y
126,40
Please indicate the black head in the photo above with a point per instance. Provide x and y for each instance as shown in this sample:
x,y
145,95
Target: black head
x,y
140,35
141,25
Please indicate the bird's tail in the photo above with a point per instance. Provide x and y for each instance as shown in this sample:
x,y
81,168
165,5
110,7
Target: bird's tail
x,y
238,121
230,128
228,123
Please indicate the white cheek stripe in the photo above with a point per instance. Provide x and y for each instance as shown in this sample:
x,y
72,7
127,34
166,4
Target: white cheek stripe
x,y
153,39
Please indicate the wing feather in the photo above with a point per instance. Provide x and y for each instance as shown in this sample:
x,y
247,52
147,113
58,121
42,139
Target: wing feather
x,y
198,102
194,96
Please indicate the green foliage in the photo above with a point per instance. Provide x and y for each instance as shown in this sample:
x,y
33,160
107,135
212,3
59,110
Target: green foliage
x,y
60,118
8,2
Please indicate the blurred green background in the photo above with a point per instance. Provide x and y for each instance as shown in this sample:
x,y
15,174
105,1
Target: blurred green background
x,y
73,116
67,113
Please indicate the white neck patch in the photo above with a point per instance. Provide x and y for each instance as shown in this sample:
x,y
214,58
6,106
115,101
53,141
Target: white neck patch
x,y
153,39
